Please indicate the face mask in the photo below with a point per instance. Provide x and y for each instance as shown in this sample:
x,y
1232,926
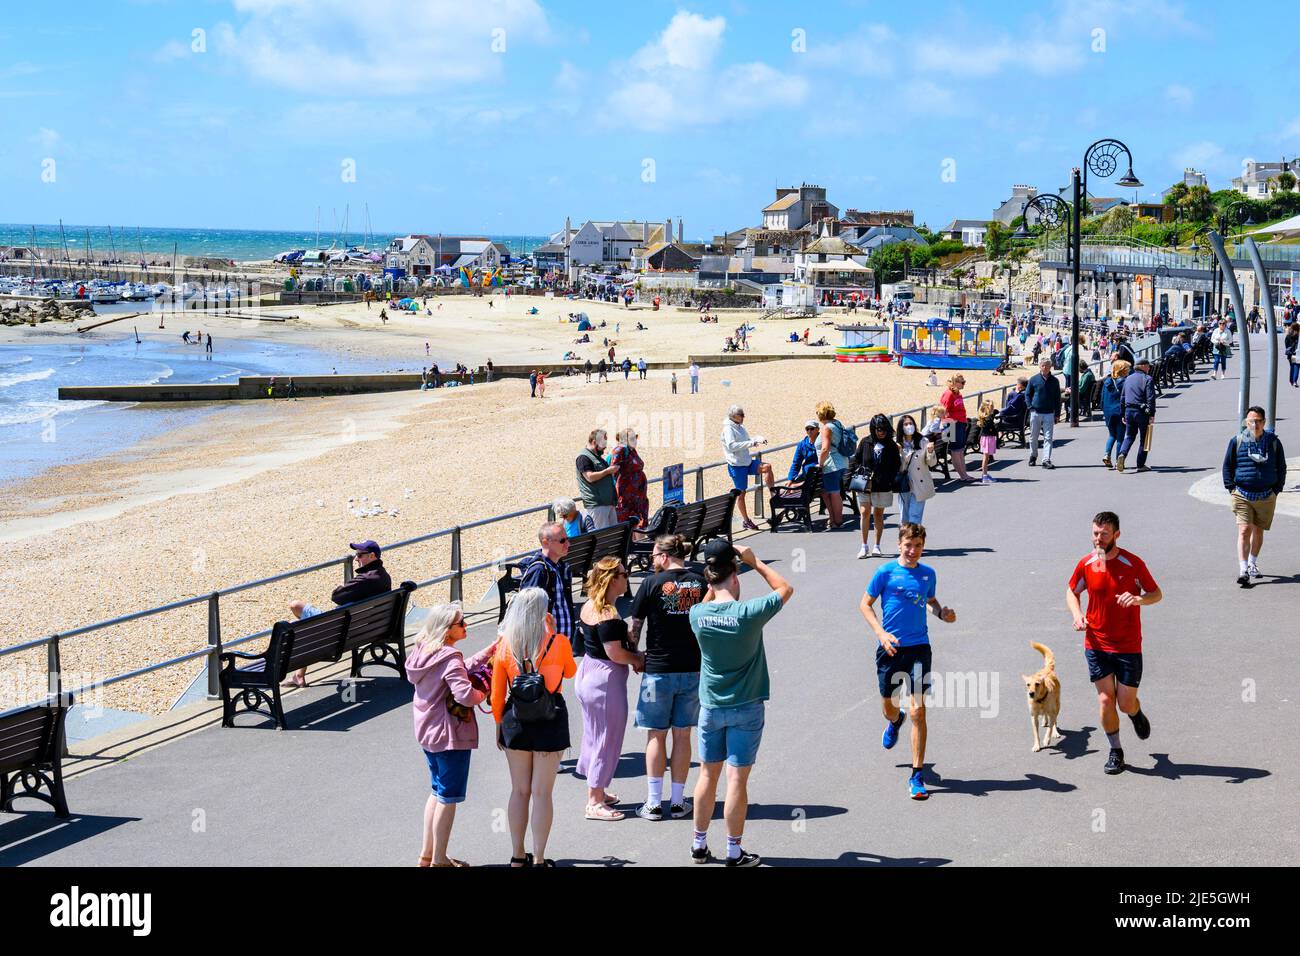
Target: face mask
x,y
909,429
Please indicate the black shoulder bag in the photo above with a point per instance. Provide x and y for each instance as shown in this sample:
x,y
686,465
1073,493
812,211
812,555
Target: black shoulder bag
x,y
530,699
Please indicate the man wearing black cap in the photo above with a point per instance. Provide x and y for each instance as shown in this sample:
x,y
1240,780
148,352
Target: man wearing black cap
x,y
733,688
1138,395
369,579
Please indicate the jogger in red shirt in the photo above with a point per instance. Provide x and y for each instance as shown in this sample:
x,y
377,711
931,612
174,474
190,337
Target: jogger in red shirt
x,y
1118,585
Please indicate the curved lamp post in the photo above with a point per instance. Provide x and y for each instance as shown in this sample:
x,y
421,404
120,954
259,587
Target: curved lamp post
x,y
1102,159
1053,211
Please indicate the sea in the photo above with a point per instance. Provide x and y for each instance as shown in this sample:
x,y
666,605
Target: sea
x,y
242,245
38,431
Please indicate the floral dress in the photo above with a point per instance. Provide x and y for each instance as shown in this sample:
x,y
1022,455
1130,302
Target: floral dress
x,y
630,486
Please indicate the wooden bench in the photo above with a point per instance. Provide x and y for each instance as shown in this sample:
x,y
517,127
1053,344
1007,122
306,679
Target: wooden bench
x,y
584,551
373,631
31,748
701,521
794,505
1014,425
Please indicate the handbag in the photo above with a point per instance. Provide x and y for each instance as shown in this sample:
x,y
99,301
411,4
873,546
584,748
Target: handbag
x,y
903,480
858,482
530,699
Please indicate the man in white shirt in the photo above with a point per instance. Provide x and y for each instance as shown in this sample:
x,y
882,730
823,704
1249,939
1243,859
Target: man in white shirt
x,y
736,445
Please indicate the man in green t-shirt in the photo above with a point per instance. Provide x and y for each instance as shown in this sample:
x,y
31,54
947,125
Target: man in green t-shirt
x,y
596,481
733,687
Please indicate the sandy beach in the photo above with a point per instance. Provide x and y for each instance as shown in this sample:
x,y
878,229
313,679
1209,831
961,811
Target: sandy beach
x,y
259,488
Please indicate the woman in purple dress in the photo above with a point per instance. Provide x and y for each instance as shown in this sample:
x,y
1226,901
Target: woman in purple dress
x,y
630,485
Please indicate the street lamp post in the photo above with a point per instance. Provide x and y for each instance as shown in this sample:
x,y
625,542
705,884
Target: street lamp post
x,y
1053,211
1102,159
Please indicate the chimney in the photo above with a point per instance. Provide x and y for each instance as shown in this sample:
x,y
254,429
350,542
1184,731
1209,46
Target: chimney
x,y
679,230
567,227
668,229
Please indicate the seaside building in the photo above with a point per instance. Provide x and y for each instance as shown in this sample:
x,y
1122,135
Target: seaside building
x,y
796,207
422,255
1011,208
1191,177
900,217
1258,180
970,232
604,244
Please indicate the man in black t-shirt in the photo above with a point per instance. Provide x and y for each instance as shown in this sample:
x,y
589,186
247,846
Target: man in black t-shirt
x,y
670,686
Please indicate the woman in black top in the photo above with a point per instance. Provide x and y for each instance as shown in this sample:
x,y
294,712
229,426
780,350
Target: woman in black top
x,y
602,684
878,458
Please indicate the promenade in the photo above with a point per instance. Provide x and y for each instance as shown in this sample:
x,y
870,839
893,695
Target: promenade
x,y
1214,785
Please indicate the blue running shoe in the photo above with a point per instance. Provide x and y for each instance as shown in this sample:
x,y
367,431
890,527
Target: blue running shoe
x,y
890,736
917,787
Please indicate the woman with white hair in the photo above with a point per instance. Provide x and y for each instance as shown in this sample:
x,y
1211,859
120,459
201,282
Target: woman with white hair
x,y
736,445
575,523
446,693
533,730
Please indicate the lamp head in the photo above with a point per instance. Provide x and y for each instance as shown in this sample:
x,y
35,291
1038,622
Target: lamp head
x,y
1128,180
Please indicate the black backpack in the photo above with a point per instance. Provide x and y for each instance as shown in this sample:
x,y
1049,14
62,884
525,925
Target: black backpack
x,y
530,698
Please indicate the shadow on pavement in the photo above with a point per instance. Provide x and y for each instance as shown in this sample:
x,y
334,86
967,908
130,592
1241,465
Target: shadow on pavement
x,y
956,552
849,858
331,712
1177,469
783,811
1075,743
938,784
30,836
1176,771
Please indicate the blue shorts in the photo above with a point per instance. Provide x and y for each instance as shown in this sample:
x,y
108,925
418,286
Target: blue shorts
x,y
731,734
740,474
668,700
909,665
449,774
310,610
832,481
1127,668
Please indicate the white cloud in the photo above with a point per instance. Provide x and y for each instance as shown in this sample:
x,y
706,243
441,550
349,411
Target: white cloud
x,y
569,79
689,42
673,81
1179,96
380,46
926,96
867,52
47,139
171,50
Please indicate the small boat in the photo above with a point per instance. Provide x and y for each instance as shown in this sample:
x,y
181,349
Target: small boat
x,y
137,292
105,295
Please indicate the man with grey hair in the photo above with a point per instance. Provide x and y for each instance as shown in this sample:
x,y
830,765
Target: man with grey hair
x,y
736,445
574,521
549,571
596,481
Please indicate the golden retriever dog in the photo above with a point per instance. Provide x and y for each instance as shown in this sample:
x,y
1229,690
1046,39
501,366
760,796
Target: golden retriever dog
x,y
1044,699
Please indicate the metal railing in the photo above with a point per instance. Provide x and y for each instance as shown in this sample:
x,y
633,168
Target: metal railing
x,y
455,577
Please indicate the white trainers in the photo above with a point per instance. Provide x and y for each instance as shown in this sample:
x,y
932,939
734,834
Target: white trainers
x,y
862,551
875,551
1253,571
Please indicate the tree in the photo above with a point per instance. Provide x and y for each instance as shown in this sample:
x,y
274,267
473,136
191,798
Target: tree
x,y
995,238
1117,220
1198,204
1286,181
1177,193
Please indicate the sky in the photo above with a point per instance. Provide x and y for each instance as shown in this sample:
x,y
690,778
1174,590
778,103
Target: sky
x,y
505,116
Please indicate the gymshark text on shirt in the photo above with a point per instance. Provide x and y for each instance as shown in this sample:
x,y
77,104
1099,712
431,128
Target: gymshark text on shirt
x,y
719,620
75,909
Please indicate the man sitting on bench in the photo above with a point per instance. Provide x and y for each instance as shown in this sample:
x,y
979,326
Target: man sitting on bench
x,y
369,580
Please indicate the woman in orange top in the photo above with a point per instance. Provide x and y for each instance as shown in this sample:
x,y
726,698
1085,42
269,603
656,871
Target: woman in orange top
x,y
532,748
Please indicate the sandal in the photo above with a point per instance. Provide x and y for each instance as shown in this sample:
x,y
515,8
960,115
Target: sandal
x,y
611,800
451,861
520,862
425,861
603,812
546,862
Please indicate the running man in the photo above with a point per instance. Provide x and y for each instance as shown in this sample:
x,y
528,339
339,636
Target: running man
x,y
1118,585
904,587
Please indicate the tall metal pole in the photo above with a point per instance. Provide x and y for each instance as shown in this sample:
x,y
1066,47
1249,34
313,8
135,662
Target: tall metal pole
x,y
1270,329
1076,255
1234,291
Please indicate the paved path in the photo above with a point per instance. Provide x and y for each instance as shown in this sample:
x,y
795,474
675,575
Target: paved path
x,y
1215,784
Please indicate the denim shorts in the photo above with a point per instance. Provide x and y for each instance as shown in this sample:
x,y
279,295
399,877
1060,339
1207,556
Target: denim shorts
x,y
740,474
832,481
449,774
309,610
668,700
731,733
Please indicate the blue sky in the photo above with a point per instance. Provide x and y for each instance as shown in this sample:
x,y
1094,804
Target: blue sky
x,y
505,115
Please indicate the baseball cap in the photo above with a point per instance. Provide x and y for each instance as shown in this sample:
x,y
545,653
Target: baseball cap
x,y
719,551
362,547
811,423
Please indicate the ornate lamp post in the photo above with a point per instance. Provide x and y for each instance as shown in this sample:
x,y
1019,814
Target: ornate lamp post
x,y
1053,212
1102,159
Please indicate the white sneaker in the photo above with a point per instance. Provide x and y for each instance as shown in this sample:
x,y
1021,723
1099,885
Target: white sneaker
x,y
1253,571
862,551
875,551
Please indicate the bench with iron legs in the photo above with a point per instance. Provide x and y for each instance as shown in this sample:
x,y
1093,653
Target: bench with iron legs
x,y
373,631
641,551
793,505
701,521
584,551
31,747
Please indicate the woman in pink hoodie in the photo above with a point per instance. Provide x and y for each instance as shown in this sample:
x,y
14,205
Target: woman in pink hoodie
x,y
445,724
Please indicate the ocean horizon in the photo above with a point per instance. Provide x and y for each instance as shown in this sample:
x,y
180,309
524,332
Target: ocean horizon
x,y
242,245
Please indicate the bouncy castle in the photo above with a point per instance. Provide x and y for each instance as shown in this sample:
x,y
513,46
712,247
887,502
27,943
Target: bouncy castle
x,y
938,343
863,343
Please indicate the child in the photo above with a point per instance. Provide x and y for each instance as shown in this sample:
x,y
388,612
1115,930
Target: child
x,y
987,423
674,381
